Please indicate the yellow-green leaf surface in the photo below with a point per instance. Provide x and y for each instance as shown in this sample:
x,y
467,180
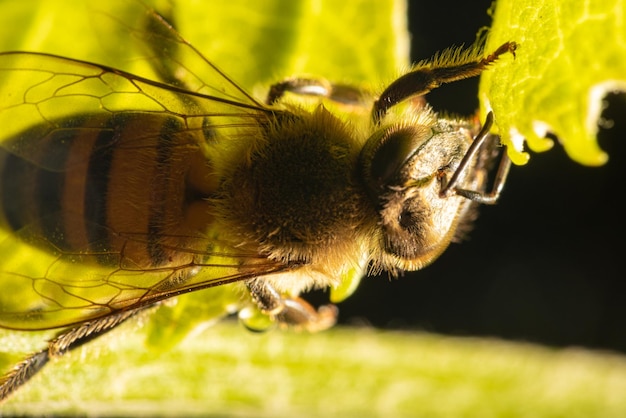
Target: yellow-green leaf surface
x,y
343,372
571,54
255,43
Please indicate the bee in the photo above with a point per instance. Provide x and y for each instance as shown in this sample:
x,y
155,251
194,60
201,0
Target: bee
x,y
163,187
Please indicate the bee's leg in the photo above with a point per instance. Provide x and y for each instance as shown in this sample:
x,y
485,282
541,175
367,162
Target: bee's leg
x,y
290,311
341,93
429,75
489,198
57,347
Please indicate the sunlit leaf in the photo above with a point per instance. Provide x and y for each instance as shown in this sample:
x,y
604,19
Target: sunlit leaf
x,y
343,372
571,54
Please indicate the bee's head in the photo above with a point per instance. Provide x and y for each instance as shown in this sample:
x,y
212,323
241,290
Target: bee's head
x,y
404,168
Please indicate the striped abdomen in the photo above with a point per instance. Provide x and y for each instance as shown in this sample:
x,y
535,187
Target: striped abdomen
x,y
130,184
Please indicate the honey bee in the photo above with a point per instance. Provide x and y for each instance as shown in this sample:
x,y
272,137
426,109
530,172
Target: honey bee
x,y
163,187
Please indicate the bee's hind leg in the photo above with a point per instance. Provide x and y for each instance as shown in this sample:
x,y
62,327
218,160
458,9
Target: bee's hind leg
x,y
65,341
291,311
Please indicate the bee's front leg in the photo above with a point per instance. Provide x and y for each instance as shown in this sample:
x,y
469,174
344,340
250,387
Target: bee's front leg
x,y
291,311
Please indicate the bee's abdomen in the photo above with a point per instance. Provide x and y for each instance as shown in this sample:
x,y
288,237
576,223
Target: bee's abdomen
x,y
37,176
108,185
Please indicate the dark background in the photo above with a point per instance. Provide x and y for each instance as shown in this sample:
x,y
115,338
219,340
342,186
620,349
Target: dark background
x,y
543,264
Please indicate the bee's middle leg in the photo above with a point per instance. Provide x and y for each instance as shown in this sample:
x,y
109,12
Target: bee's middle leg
x,y
291,311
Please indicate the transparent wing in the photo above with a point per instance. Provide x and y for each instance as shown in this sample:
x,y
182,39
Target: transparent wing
x,y
46,288
172,59
41,284
40,89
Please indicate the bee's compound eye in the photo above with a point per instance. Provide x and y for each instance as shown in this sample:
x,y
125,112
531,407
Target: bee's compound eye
x,y
386,152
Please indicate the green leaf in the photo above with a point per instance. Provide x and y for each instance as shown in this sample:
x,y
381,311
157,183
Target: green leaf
x,y
255,43
359,41
571,53
343,372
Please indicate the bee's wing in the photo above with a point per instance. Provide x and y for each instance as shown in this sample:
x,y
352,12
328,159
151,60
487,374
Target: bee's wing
x,y
43,286
172,59
48,288
40,89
